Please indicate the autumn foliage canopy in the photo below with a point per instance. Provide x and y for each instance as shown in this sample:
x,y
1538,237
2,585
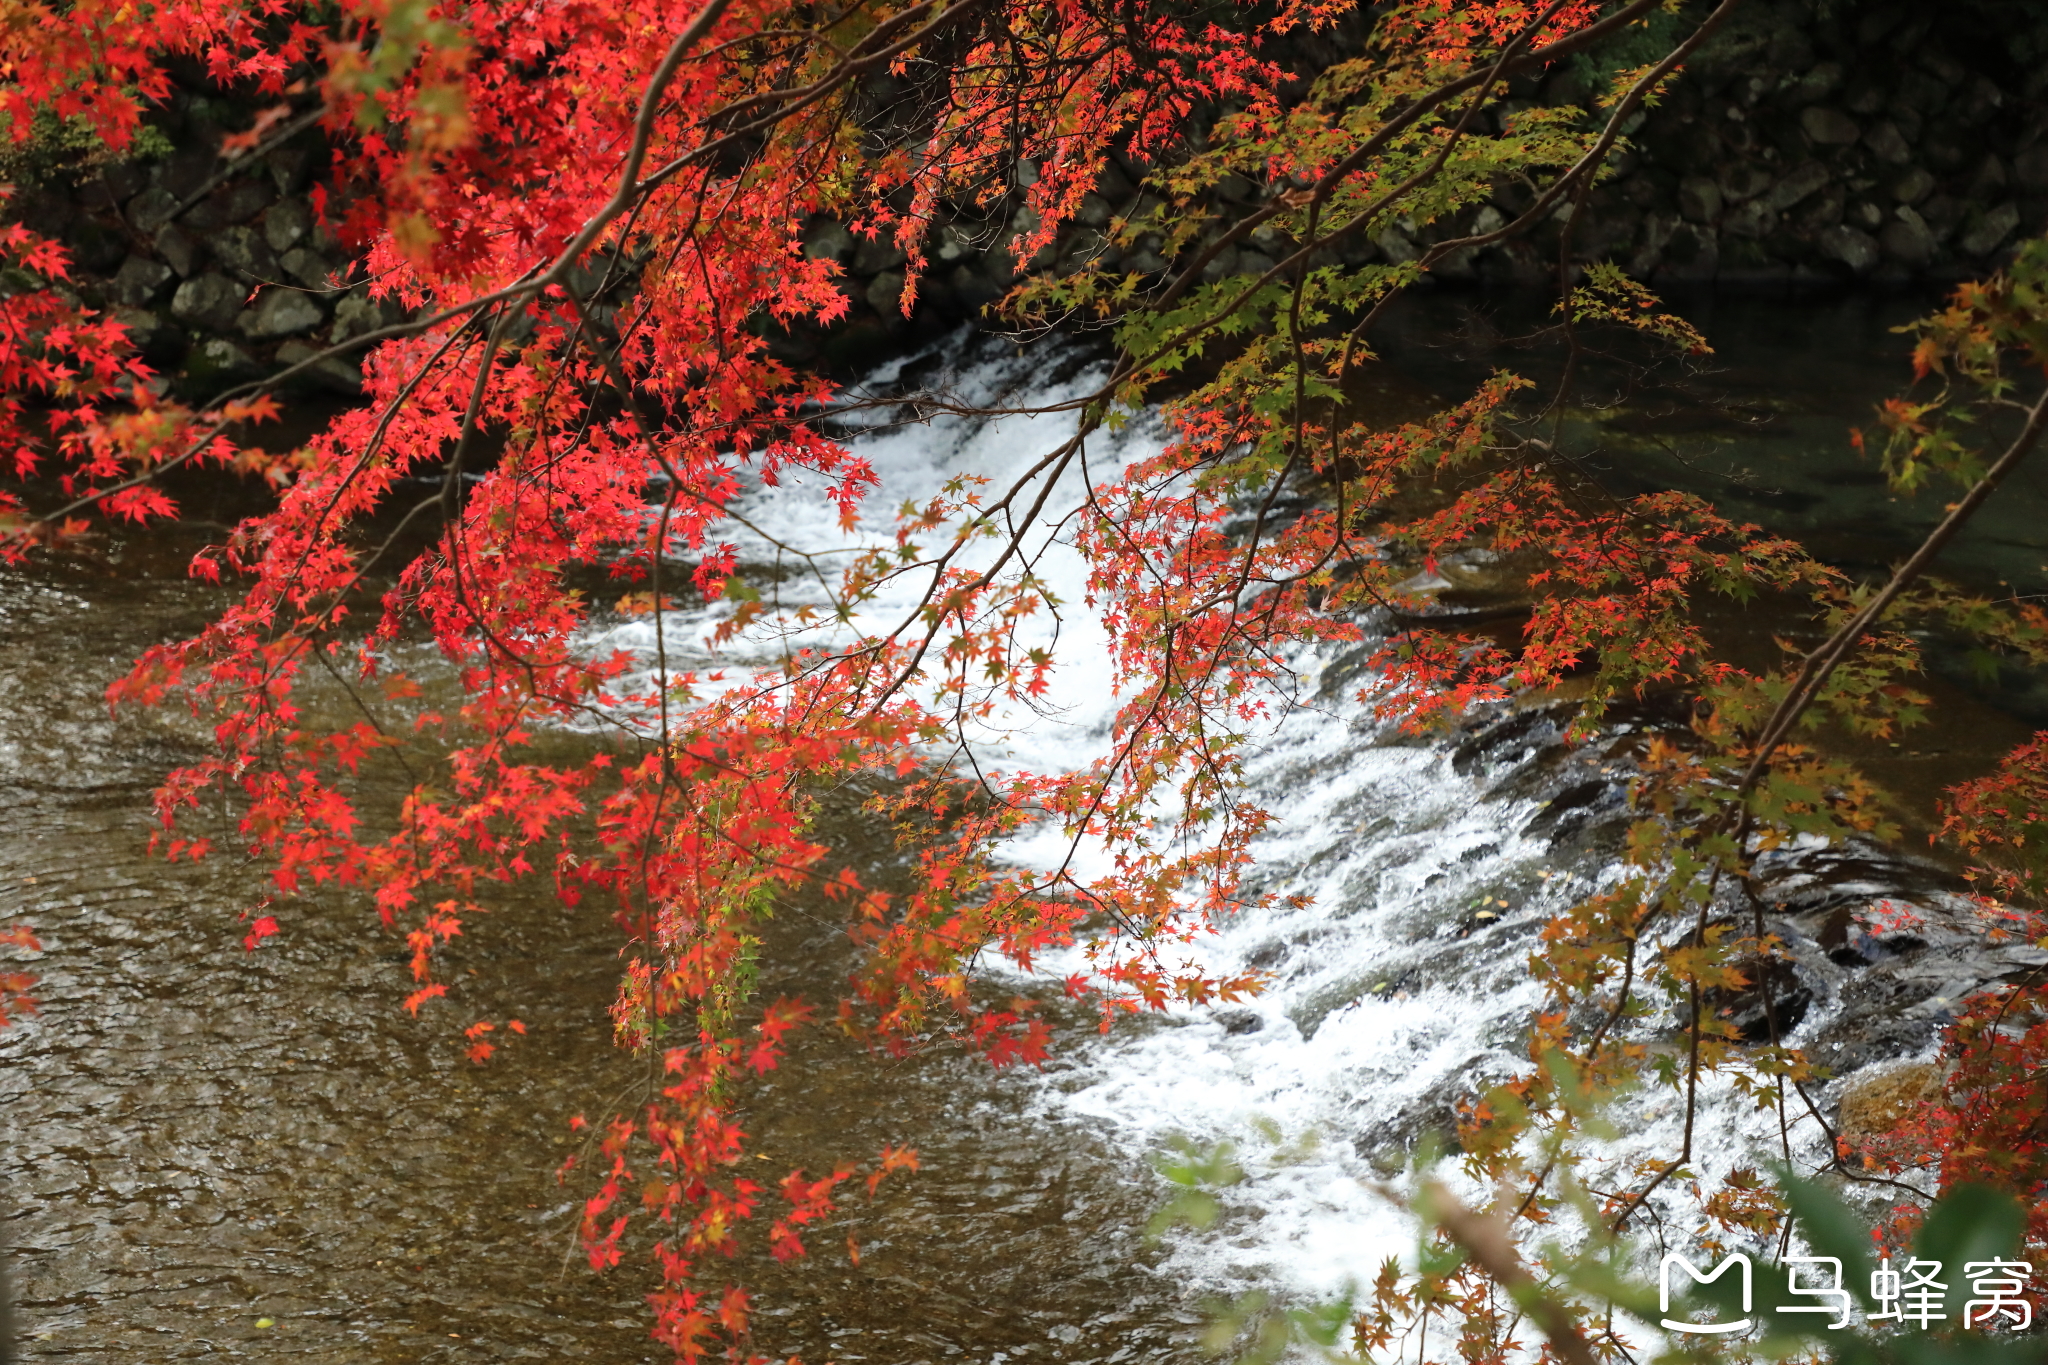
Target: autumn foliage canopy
x,y
594,214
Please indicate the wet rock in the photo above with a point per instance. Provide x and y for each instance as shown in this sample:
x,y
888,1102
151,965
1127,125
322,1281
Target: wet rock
x,y
151,209
1851,247
1878,1099
243,250
1238,1022
1773,1003
1889,143
1828,126
1989,232
280,313
330,375
140,282
180,250
208,302
286,225
1699,199
1798,183
1907,239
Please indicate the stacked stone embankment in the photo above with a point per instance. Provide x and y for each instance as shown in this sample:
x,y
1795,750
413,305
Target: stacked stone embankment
x,y
1817,143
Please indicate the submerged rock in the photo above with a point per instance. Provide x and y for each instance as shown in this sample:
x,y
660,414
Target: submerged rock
x,y
1880,1098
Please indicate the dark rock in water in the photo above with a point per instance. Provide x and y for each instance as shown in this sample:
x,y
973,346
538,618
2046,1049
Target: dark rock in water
x,y
1239,1022
1772,1005
208,302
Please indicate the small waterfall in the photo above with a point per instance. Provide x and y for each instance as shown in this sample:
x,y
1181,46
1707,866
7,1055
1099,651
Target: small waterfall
x,y
1403,987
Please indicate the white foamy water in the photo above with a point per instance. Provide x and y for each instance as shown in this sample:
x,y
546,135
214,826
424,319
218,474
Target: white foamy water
x,y
1400,989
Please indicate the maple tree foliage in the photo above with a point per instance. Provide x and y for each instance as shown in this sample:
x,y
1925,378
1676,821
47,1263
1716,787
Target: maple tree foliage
x,y
596,214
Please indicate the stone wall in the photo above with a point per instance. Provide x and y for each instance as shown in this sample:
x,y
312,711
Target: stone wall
x,y
218,268
1817,142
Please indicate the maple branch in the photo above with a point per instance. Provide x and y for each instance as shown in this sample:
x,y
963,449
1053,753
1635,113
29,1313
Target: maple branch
x,y
1486,1239
1585,165
1822,662
235,164
1400,122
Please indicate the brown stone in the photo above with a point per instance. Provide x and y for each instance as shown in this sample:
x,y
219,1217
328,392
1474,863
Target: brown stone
x,y
1878,1099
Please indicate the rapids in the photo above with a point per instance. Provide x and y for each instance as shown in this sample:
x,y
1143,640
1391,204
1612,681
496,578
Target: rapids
x,y
210,1152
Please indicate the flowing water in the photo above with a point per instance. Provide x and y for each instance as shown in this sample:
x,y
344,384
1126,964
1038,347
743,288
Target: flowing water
x,y
212,1152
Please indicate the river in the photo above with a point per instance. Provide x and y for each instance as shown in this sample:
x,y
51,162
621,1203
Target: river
x,y
211,1152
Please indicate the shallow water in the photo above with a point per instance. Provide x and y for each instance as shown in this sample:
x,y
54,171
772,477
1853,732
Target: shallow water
x,y
195,1138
